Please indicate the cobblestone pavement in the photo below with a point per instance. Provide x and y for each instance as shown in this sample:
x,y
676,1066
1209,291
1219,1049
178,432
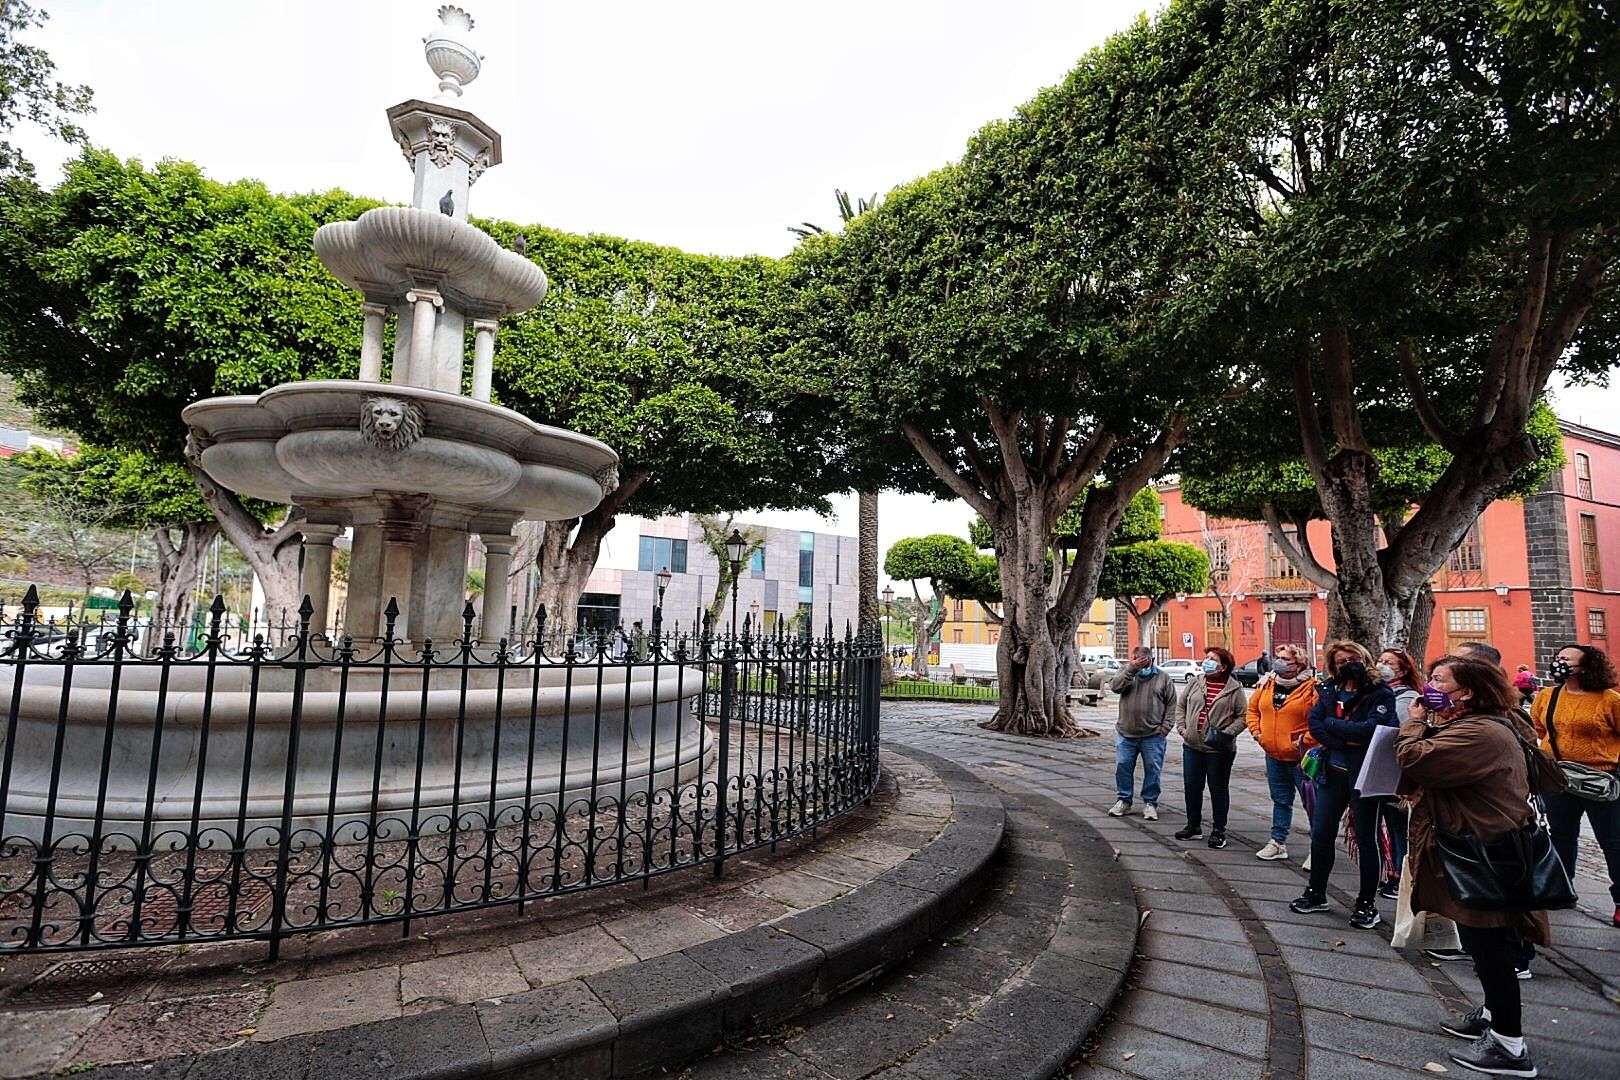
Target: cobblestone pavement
x,y
1229,983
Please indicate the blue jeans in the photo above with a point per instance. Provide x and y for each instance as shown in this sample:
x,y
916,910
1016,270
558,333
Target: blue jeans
x,y
1150,748
1564,813
1286,782
1333,796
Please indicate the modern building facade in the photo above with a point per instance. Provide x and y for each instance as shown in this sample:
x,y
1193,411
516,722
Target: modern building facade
x,y
1529,577
796,571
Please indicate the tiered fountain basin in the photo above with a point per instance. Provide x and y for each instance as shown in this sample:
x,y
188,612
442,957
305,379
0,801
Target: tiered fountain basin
x,y
209,753
307,443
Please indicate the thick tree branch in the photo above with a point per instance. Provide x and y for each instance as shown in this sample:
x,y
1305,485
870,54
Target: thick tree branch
x,y
1339,384
1310,425
1004,426
1432,423
1299,554
1511,353
942,469
1561,327
1081,470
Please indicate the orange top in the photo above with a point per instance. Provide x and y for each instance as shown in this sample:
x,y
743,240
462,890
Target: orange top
x,y
1276,729
1588,726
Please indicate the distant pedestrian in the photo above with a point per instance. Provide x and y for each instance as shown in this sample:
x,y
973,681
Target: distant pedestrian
x,y
1526,683
1209,717
638,642
1351,701
1147,699
1461,749
1277,718
1578,720
620,642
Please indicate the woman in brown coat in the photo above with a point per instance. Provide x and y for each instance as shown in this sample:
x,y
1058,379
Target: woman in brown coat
x,y
1464,755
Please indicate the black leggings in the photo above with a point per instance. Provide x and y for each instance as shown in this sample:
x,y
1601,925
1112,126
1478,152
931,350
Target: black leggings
x,y
1492,950
1333,794
1200,767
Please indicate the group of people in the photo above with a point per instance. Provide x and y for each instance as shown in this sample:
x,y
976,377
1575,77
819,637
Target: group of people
x,y
1457,745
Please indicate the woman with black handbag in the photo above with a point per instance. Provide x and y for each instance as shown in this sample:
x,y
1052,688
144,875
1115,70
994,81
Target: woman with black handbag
x,y
1209,716
1578,720
1477,853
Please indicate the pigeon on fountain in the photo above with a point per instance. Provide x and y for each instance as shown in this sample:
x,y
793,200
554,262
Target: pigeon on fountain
x,y
521,245
447,203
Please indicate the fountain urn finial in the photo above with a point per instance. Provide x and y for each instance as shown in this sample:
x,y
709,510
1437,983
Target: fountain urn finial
x,y
449,52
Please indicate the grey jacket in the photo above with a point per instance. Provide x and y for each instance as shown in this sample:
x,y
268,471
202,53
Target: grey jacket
x,y
1146,706
1228,713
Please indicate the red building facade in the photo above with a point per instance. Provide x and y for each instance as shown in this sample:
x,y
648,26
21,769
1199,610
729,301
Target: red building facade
x,y
1530,577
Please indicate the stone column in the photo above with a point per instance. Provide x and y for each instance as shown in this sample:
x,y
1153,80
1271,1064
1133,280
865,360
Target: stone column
x,y
426,304
365,582
483,360
399,543
371,341
317,577
498,549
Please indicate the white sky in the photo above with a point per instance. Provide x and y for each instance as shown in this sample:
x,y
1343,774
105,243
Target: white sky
x,y
710,125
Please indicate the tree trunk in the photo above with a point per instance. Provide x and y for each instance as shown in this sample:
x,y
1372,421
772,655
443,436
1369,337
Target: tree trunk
x,y
1033,670
271,551
868,558
178,568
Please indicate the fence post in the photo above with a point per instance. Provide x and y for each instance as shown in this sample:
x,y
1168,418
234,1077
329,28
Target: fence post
x,y
278,913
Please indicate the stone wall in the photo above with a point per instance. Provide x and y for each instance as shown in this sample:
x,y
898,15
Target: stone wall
x,y
1552,593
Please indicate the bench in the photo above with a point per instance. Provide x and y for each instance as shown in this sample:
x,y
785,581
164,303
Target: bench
x,y
961,676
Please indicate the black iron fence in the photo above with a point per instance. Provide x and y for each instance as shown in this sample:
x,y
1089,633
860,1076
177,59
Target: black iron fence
x,y
263,788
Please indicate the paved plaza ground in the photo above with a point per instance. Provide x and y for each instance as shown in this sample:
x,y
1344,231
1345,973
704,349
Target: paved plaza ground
x,y
1228,983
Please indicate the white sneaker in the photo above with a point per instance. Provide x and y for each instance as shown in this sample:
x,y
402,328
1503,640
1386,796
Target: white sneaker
x,y
1150,812
1272,850
1119,809
1306,865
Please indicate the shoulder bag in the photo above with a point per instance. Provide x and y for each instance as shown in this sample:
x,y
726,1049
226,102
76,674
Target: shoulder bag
x,y
1581,781
1519,872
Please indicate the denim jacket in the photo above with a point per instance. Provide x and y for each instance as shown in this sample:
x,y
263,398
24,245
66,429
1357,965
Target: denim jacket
x,y
1344,728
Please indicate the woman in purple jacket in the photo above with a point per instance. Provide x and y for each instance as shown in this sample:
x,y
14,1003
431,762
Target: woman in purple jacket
x,y
1351,701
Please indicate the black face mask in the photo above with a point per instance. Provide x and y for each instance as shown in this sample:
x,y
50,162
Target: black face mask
x,y
1354,671
1559,670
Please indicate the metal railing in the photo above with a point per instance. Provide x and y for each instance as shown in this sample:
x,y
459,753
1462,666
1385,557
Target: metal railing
x,y
261,790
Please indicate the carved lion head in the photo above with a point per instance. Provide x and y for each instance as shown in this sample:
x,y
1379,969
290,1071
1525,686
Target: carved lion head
x,y
390,423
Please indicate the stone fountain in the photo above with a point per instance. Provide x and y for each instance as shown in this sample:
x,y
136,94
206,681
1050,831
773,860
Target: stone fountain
x,y
414,459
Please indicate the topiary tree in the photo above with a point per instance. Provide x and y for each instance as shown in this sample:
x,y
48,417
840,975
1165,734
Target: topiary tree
x,y
939,560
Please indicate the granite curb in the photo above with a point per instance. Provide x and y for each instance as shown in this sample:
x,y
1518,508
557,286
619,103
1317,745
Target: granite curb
x,y
660,1011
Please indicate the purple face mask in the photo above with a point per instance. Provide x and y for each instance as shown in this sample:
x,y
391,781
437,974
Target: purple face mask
x,y
1435,698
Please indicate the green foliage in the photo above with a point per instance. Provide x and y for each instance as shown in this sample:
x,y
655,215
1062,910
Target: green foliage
x,y
124,580
937,558
1233,478
132,292
1153,568
1141,521
982,581
665,357
28,90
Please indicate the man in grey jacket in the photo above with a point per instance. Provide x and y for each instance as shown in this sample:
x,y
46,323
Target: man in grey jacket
x,y
1147,700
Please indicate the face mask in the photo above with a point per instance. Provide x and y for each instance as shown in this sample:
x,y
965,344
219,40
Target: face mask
x,y
1386,672
1435,698
1211,667
1285,668
1147,672
1354,671
1559,670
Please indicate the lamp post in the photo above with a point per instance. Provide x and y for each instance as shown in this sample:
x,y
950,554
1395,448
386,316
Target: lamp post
x,y
888,603
662,578
1271,621
736,548
753,615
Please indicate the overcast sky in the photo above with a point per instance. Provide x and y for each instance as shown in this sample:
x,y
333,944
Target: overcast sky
x,y
710,125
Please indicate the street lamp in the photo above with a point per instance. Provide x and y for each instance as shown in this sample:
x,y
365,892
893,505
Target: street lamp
x,y
736,548
753,615
662,578
1271,641
1502,591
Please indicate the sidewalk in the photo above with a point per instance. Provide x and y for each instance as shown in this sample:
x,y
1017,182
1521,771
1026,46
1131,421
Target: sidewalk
x,y
1229,983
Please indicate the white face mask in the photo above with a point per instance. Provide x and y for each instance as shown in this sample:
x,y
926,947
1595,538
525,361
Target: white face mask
x,y
1387,672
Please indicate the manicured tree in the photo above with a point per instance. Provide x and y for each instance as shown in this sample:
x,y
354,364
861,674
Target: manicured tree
x,y
662,355
132,292
938,559
1139,564
713,532
1027,322
1432,194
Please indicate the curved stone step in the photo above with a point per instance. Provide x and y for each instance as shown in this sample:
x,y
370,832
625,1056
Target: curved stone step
x,y
659,1012
1011,990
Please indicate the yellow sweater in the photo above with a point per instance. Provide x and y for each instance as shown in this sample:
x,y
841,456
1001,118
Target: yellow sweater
x,y
1588,726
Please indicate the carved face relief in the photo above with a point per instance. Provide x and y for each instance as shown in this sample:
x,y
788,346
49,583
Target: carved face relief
x,y
608,480
476,169
390,423
442,143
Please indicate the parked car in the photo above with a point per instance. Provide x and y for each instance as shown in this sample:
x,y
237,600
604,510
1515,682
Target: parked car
x,y
1248,675
1181,671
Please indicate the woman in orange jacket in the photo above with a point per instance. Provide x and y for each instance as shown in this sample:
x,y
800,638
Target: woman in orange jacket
x,y
1278,708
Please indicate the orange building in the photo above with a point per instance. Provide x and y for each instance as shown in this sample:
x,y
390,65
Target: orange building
x,y
1529,577
966,624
